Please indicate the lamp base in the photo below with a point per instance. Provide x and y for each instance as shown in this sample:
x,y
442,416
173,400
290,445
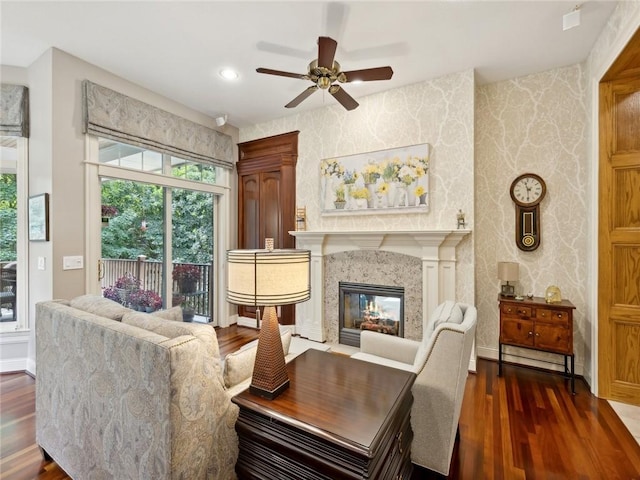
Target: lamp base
x,y
270,377
508,290
269,394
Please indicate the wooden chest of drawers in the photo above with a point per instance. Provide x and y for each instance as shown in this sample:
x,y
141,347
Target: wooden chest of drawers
x,y
533,323
340,419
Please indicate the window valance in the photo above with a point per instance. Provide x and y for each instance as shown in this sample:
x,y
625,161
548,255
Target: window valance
x,y
14,110
110,114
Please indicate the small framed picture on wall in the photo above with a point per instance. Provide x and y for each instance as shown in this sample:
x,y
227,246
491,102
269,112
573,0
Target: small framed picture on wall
x,y
39,218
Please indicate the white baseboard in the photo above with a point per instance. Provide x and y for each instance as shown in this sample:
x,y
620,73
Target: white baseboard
x,y
31,367
246,322
14,351
13,365
472,364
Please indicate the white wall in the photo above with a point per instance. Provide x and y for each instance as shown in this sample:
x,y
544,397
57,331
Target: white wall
x,y
57,156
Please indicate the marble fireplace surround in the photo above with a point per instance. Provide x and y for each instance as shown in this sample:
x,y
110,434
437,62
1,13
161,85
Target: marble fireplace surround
x,y
435,248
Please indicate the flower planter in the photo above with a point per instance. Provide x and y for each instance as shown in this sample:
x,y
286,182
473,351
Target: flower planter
x,y
188,285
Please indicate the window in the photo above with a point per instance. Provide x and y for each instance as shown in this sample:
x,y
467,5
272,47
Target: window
x,y
137,158
12,233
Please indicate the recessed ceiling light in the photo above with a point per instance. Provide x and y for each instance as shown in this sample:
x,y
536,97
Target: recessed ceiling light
x,y
228,74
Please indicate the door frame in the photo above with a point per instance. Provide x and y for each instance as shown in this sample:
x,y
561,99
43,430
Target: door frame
x,y
597,72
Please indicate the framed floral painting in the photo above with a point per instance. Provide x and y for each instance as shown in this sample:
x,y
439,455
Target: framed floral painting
x,y
386,181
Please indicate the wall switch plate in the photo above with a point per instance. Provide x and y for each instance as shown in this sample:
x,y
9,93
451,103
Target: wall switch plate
x,y
42,263
73,262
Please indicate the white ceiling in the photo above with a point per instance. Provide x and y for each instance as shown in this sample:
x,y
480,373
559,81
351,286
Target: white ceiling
x,y
176,48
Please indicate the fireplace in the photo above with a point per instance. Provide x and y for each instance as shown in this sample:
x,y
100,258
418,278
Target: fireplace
x,y
428,282
379,308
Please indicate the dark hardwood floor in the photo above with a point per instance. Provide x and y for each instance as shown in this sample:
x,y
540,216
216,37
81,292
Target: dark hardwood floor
x,y
523,425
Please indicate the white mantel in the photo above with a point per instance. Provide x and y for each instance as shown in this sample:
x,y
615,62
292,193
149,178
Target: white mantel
x,y
436,249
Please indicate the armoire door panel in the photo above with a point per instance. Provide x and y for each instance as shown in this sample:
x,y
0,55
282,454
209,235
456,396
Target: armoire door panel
x,y
271,211
250,214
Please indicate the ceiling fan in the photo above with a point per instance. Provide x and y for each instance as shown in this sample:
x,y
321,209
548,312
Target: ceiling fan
x,y
324,71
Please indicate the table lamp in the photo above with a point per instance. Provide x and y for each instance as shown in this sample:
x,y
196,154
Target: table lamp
x,y
508,272
268,278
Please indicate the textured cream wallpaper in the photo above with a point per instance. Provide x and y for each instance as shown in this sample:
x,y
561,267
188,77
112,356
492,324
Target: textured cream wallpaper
x,y
439,112
538,124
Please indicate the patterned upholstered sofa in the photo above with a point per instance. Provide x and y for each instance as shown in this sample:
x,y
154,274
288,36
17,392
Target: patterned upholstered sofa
x,y
124,395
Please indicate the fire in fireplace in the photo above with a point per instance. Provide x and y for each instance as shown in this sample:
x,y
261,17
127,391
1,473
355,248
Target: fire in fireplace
x,y
362,306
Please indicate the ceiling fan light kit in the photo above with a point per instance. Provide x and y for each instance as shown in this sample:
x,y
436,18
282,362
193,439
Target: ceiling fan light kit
x,y
325,70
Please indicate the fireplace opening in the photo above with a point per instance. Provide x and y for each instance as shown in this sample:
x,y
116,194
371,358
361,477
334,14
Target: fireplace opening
x,y
362,306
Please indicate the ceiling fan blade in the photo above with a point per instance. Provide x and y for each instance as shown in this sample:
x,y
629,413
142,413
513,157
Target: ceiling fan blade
x,y
343,97
268,71
326,51
296,101
368,74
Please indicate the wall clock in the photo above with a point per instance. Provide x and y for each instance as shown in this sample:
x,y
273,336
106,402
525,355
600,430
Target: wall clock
x,y
527,191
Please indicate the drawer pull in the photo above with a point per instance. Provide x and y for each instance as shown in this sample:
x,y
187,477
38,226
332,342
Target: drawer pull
x,y
537,334
530,333
543,314
559,315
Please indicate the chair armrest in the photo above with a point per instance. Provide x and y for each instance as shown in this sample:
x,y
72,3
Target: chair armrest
x,y
388,346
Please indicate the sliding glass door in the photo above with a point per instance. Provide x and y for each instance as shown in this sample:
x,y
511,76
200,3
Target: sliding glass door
x,y
192,252
158,240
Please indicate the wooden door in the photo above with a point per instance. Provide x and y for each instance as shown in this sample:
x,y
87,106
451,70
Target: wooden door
x,y
619,230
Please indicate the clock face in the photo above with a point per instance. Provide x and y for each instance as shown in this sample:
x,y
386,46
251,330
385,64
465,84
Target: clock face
x,y
528,189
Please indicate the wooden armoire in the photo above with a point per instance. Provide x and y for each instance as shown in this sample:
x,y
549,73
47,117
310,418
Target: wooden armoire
x,y
267,199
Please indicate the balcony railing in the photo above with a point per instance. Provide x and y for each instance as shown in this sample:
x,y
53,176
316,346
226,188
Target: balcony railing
x,y
150,273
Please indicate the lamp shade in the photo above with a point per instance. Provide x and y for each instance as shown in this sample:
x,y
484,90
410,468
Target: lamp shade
x,y
508,271
268,278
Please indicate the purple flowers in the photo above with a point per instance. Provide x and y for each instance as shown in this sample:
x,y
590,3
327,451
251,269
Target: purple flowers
x,y
127,291
146,298
128,281
109,211
185,271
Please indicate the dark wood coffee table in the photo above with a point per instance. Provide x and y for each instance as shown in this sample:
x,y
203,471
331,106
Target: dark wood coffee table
x,y
340,419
